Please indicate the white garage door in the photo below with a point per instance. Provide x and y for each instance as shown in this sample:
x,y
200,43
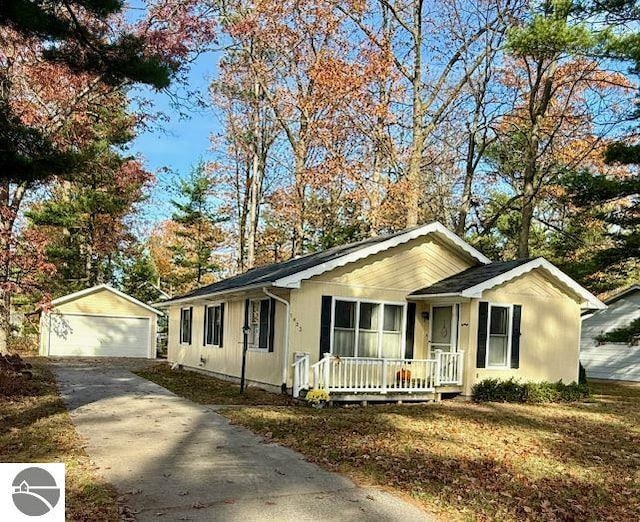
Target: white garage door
x,y
94,335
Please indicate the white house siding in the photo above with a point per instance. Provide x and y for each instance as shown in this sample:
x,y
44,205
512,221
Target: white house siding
x,y
612,360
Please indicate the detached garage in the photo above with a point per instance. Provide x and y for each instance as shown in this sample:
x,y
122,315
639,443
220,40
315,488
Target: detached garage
x,y
99,321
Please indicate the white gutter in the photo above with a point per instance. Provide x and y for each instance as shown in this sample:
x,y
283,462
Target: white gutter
x,y
209,297
285,364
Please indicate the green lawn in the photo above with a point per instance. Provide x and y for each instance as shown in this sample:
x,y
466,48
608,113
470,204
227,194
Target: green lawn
x,y
481,462
205,389
35,427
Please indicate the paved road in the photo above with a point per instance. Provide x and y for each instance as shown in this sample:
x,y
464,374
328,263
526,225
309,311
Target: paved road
x,y
173,459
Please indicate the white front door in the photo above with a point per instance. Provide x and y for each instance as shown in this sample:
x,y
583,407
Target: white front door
x,y
443,329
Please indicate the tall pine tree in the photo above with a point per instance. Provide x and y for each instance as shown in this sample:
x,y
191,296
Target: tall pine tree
x,y
615,199
198,233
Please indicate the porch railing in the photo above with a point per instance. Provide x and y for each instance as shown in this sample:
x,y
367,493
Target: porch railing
x,y
377,375
300,373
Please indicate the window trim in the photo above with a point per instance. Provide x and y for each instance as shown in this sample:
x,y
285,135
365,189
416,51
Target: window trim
x,y
250,346
190,337
507,364
206,324
403,326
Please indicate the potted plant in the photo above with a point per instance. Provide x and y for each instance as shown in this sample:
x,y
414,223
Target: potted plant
x,y
317,398
403,377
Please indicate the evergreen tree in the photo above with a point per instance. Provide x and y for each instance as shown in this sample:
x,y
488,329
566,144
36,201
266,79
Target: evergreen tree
x,y
615,199
198,232
75,33
86,213
140,277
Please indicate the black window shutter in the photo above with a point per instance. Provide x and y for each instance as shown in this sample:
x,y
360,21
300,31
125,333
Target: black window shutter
x,y
204,327
411,328
181,324
325,325
483,317
515,336
272,323
263,341
190,322
221,324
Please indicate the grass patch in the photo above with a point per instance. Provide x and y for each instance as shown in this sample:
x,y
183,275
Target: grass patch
x,y
480,461
205,389
35,427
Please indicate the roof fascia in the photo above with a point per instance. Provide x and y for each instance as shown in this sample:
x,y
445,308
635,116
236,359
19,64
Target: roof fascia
x,y
97,288
294,280
590,300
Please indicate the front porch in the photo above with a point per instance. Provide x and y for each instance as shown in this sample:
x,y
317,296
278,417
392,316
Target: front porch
x,y
381,379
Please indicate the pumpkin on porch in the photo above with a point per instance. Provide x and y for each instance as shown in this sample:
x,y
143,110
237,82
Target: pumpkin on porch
x,y
403,376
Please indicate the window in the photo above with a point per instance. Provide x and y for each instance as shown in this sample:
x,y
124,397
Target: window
x,y
259,311
498,343
185,325
392,331
367,329
213,325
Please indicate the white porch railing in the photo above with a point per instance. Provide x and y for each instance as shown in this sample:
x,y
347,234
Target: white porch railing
x,y
377,375
451,367
300,373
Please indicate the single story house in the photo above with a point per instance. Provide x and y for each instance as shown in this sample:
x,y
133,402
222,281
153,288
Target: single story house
x,y
99,321
403,316
612,360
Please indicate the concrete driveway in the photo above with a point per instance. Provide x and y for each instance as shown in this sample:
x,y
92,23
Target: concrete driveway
x,y
173,459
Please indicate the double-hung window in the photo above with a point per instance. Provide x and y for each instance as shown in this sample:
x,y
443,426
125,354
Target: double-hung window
x,y
367,329
259,324
499,337
213,325
186,316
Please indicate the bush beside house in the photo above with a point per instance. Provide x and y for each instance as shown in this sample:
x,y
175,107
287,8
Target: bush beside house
x,y
512,390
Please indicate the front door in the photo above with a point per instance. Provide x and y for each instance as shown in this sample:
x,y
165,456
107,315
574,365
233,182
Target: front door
x,y
443,329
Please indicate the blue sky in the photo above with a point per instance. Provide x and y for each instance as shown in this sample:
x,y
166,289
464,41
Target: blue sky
x,y
177,143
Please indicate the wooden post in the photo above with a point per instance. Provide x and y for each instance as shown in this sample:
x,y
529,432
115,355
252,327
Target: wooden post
x,y
460,367
384,376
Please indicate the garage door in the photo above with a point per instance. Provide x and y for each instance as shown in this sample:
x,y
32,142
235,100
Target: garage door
x,y
94,335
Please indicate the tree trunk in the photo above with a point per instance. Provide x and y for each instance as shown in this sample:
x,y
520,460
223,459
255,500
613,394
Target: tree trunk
x,y
417,140
5,321
298,228
256,182
465,203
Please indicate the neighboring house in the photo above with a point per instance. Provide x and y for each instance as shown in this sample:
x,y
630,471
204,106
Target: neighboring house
x,y
612,360
99,321
402,316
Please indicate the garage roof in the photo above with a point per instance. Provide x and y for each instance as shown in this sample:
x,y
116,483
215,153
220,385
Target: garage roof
x,y
97,288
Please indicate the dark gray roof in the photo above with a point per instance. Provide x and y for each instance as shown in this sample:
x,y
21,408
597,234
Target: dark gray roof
x,y
470,277
264,275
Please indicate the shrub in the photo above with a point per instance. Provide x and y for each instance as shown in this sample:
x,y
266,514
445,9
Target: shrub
x,y
496,390
511,390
